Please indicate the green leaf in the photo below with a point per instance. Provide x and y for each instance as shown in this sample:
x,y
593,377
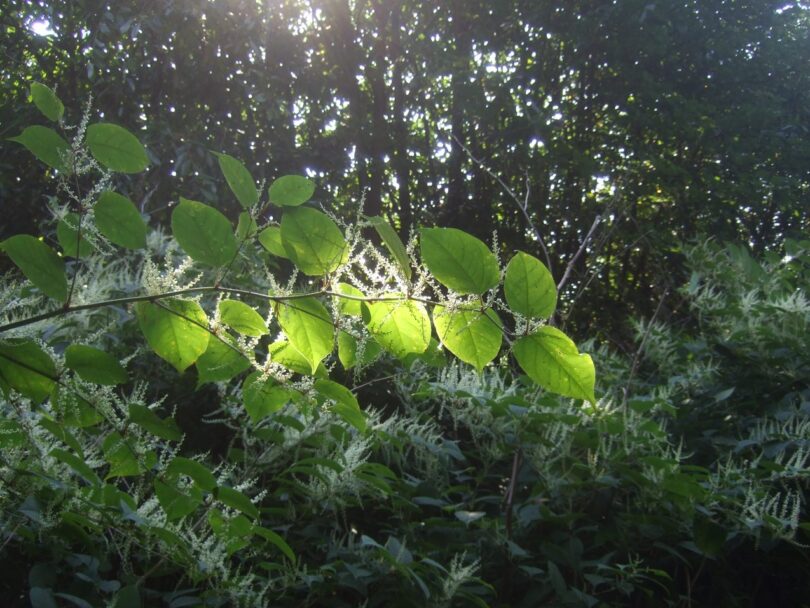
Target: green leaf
x,y
458,260
122,459
284,353
276,540
39,263
348,351
127,597
348,306
312,241
307,324
291,190
236,500
474,337
204,233
175,329
94,365
27,369
246,227
345,403
220,362
118,219
264,397
551,359
47,145
401,327
201,475
151,422
242,318
529,287
270,239
239,180
77,464
116,148
59,430
67,234
175,503
392,241
47,102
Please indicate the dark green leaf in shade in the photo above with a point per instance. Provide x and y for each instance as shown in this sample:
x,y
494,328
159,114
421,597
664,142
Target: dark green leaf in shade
x,y
237,500
551,359
291,190
529,287
27,369
39,263
120,455
312,241
77,464
175,504
459,261
204,233
175,329
392,241
127,597
94,365
345,403
239,180
270,239
471,335
308,326
220,362
47,102
67,234
242,318
118,219
47,145
275,539
401,326
149,421
116,148
198,472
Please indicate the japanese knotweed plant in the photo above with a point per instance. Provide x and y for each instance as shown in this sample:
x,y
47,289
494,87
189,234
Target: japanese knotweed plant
x,y
207,299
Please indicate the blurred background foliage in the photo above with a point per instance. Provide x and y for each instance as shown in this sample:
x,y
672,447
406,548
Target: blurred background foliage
x,y
667,120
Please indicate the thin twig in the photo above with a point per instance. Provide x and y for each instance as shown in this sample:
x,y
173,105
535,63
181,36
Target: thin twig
x,y
522,205
574,259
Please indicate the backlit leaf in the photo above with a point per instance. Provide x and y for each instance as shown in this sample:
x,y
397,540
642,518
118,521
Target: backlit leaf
x,y
401,326
39,263
345,403
47,145
308,326
239,180
175,329
242,318
458,260
67,234
473,336
270,239
204,233
116,148
529,287
312,241
47,102
118,219
291,190
27,369
393,243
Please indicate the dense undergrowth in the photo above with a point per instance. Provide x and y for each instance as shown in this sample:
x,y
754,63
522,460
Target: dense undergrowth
x,y
126,482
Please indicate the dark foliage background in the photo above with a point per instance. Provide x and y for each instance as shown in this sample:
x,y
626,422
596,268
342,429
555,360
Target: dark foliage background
x,y
668,120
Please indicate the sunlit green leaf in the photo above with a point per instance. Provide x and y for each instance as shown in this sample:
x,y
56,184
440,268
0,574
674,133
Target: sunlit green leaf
x,y
345,403
308,326
116,148
392,241
349,306
458,260
284,353
175,329
47,102
47,145
246,227
39,263
118,219
312,241
270,239
348,351
291,190
242,318
204,233
264,397
551,359
220,362
529,287
239,180
401,326
473,336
